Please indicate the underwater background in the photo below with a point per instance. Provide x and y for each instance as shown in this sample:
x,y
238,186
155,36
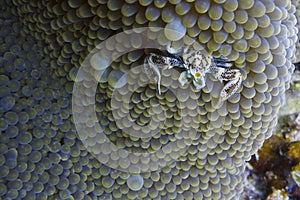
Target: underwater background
x,y
43,45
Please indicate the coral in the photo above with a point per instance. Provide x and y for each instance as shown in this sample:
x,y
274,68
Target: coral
x,y
292,104
274,171
296,174
278,194
43,44
297,13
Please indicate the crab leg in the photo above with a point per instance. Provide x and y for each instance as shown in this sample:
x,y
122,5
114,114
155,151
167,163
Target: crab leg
x,y
156,62
172,50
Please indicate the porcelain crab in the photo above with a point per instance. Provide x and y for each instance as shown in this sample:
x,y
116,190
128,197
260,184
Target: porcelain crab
x,y
197,65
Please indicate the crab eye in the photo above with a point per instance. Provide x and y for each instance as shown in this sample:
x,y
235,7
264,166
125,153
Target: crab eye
x,y
197,75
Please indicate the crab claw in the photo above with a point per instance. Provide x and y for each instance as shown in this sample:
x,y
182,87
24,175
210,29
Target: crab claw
x,y
199,83
231,87
183,78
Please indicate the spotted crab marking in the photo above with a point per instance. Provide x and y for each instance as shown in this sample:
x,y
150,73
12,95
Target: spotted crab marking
x,y
196,65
